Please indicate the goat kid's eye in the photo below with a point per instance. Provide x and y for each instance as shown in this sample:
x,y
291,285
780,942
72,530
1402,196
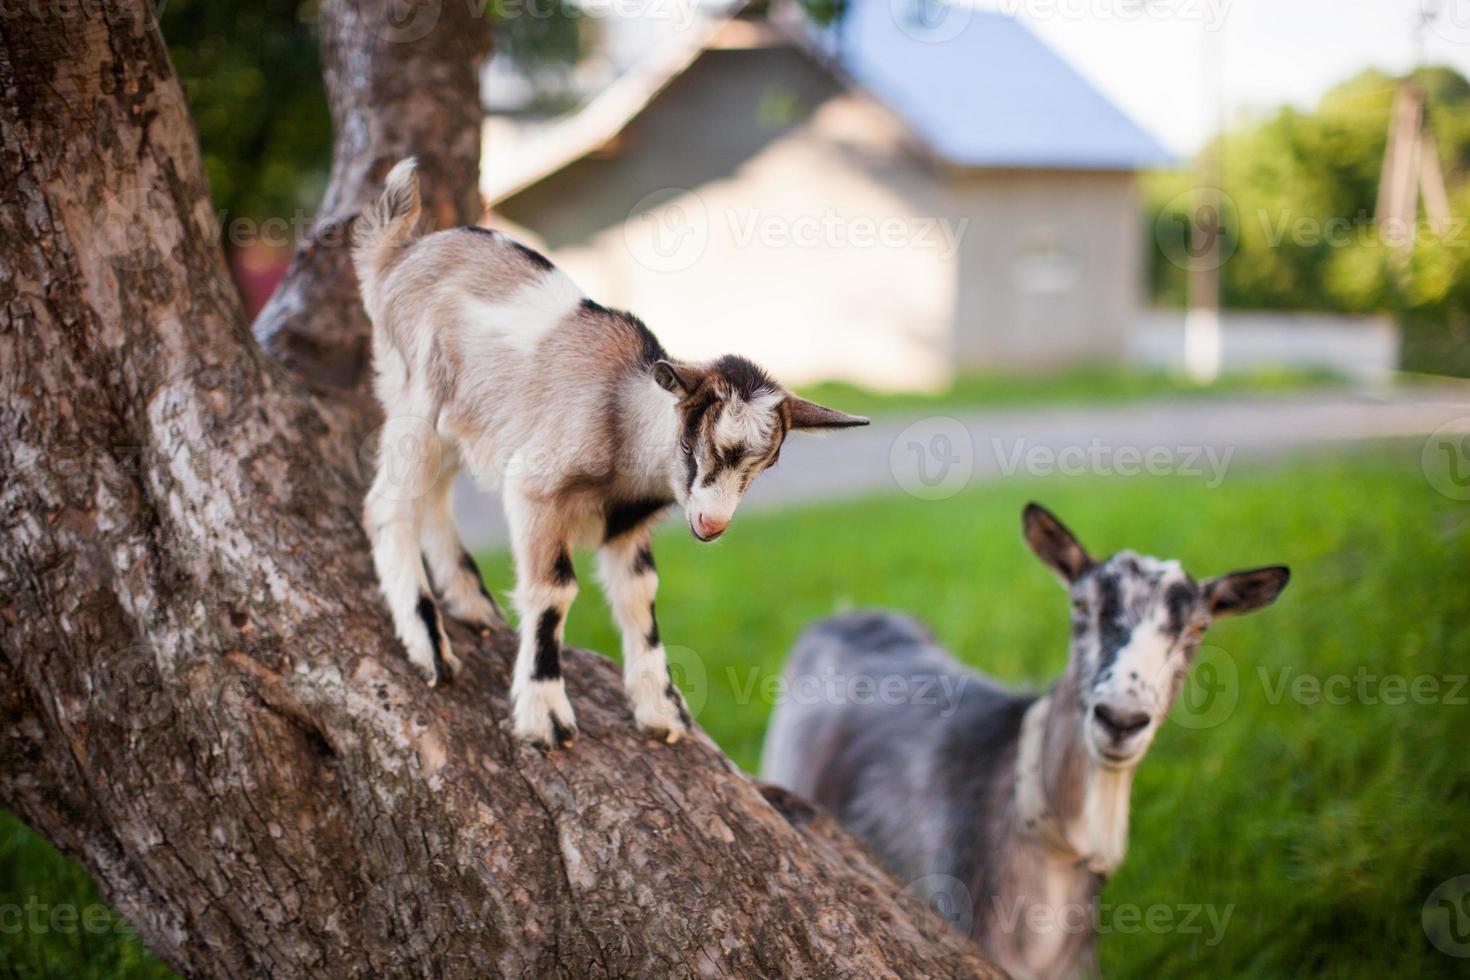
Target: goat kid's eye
x,y
1079,606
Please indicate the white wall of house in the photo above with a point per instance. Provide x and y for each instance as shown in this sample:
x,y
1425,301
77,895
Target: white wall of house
x,y
1051,269
758,207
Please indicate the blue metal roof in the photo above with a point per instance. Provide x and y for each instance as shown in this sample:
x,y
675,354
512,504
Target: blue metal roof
x,y
982,90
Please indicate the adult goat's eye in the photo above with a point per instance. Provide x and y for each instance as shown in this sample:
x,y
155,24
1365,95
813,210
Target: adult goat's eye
x,y
1079,606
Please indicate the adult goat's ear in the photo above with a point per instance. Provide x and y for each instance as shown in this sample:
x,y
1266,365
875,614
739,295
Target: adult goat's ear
x,y
679,379
802,414
1054,544
1245,591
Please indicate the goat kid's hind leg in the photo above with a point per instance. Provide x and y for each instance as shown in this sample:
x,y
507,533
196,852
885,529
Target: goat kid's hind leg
x,y
631,581
451,566
546,584
393,514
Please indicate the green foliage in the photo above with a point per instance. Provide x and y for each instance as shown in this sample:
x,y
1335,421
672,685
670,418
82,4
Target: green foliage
x,y
252,74
541,37
1302,189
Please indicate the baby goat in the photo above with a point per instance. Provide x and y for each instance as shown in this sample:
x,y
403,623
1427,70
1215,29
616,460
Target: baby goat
x,y
1019,801
488,356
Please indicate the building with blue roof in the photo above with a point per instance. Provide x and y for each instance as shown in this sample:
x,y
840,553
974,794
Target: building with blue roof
x,y
917,190
981,90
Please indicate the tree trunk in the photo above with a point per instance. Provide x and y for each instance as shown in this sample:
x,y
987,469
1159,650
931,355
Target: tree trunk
x,y
416,63
200,694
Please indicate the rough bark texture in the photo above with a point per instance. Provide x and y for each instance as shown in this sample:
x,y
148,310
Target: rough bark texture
x,y
200,696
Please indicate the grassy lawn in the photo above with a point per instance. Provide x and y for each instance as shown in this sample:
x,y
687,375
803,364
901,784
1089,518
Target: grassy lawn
x,y
1074,386
1320,828
53,923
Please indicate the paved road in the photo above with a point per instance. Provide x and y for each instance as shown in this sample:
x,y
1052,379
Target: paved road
x,y
938,455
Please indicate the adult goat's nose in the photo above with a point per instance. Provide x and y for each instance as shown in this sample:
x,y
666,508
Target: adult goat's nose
x,y
1120,722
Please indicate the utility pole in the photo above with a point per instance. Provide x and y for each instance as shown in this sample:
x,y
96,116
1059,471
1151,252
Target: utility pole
x,y
1202,342
1411,168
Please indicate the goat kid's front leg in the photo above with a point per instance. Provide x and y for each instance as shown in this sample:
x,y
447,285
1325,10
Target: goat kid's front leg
x,y
452,568
392,516
546,584
631,581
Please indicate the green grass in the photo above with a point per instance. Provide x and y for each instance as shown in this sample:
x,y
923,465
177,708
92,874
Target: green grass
x,y
53,922
1321,828
1074,386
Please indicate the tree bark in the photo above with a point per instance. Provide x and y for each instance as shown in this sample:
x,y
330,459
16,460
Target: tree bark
x,y
416,63
200,694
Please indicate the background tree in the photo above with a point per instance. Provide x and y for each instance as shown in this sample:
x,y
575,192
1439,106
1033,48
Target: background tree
x,y
1304,186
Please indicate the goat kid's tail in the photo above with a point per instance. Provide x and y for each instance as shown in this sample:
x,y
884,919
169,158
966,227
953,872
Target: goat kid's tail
x,y
384,230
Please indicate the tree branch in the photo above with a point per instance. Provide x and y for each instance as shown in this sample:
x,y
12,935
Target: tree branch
x,y
416,64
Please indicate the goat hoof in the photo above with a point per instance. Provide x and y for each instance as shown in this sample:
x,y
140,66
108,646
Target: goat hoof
x,y
668,736
668,731
564,735
546,729
429,675
561,737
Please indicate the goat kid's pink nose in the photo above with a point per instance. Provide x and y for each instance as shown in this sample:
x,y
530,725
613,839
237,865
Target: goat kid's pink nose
x,y
710,526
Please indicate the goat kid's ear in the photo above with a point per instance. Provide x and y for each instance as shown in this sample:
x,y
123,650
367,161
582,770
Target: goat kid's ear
x,y
1245,591
678,379
802,414
1054,544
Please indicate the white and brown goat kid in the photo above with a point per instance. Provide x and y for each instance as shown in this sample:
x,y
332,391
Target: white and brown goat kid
x,y
488,356
1019,801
